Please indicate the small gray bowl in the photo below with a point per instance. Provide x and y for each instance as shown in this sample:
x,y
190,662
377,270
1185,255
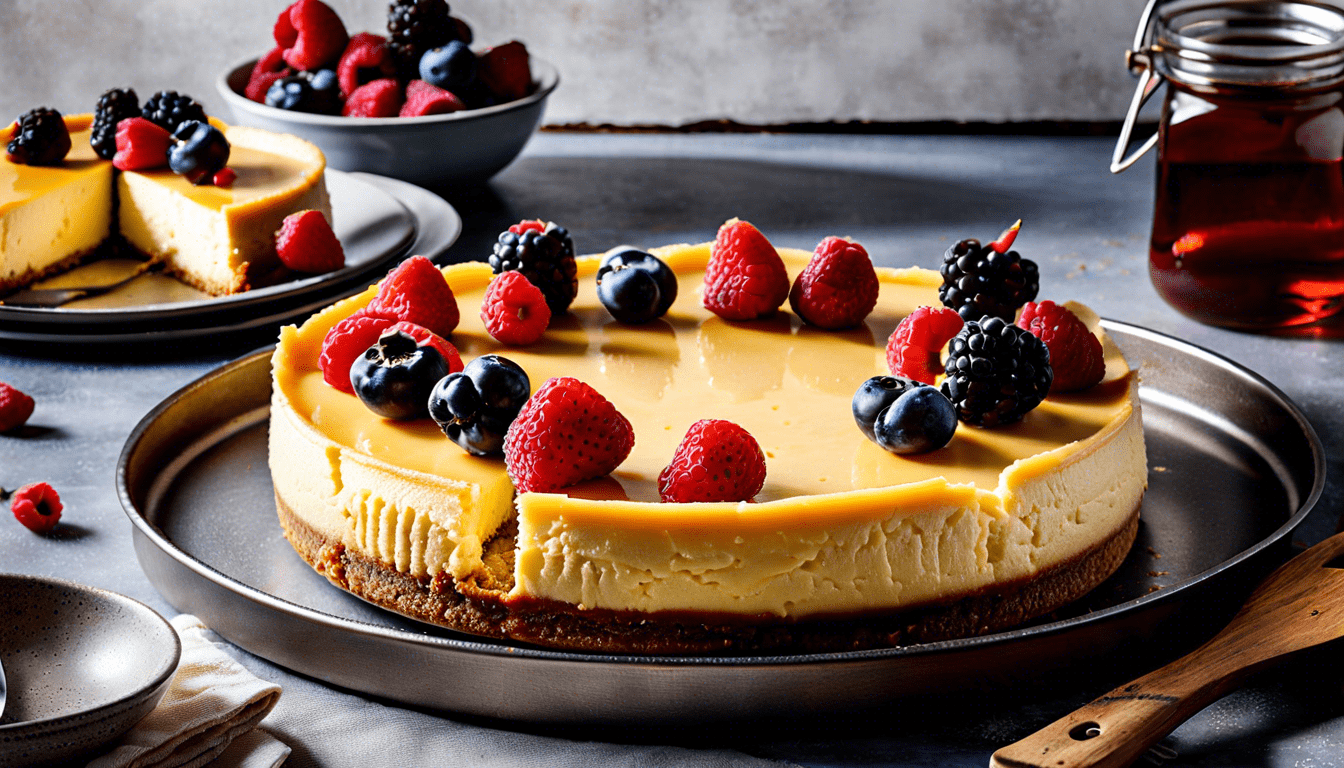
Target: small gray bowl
x,y
83,666
464,147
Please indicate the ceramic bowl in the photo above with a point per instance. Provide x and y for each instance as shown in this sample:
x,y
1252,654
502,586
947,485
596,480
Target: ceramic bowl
x,y
83,666
436,150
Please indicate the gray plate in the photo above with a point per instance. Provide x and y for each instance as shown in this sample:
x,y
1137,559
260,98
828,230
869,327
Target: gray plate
x,y
1234,467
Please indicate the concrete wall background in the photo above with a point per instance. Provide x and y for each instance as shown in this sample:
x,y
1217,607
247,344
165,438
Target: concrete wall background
x,y
661,62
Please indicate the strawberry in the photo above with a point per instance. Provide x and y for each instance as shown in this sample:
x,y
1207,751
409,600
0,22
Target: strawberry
x,y
717,460
306,243
37,506
745,278
366,57
417,291
837,288
377,98
427,338
15,408
565,433
345,342
504,70
914,347
141,145
311,34
425,99
514,310
1075,352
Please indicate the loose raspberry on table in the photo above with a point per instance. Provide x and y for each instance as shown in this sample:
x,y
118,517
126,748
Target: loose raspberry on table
x,y
37,506
311,33
416,291
345,342
141,145
514,310
914,348
838,287
377,98
717,460
305,243
1075,352
425,99
15,408
745,278
366,58
427,338
565,433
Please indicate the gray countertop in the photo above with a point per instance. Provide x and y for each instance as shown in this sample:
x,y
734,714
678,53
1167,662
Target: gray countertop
x,y
906,198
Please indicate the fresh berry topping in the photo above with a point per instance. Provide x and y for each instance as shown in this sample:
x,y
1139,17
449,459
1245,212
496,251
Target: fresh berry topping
x,y
169,109
717,460
366,58
224,177
393,378
413,27
1005,240
635,286
40,138
566,433
311,34
1075,352
874,396
504,69
344,343
837,288
514,310
37,506
306,243
745,278
451,67
377,98
914,348
979,281
922,419
15,408
996,372
141,145
417,292
474,408
544,253
424,99
114,106
427,338
199,150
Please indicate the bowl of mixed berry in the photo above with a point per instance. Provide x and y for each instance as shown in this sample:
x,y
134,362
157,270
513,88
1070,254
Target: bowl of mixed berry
x,y
423,102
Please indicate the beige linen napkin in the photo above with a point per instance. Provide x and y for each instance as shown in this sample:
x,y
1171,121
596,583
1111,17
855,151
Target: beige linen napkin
x,y
212,705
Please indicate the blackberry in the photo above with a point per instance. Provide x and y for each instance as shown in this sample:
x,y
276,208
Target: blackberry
x,y
114,105
546,259
996,372
416,26
40,138
979,281
169,109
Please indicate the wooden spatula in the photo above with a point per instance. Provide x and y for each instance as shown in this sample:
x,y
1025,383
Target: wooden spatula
x,y
1299,606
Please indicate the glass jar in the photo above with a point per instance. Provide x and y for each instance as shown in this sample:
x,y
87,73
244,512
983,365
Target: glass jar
x,y
1248,223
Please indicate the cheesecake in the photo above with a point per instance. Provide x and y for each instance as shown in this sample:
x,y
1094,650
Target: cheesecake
x,y
845,547
219,240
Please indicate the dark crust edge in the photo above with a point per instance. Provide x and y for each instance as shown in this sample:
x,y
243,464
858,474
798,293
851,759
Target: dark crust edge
x,y
474,609
33,275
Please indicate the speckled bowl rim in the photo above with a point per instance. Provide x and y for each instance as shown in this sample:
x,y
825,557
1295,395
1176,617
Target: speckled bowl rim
x,y
82,718
544,74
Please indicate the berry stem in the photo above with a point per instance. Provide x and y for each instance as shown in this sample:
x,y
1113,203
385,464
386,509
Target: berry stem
x,y
1006,239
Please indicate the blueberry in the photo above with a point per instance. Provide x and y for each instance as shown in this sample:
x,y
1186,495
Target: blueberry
x,y
326,92
451,67
317,92
873,396
199,150
393,378
475,407
921,420
629,297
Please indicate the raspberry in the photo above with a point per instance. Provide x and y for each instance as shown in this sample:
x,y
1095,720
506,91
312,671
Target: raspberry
x,y
376,98
366,58
514,310
425,99
273,61
37,506
260,83
427,338
504,70
565,433
305,243
717,460
416,291
141,145
15,408
914,347
996,372
1075,352
838,287
311,34
344,343
745,278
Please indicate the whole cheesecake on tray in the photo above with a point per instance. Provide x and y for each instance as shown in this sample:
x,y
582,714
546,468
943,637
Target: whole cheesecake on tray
x,y
60,210
707,474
